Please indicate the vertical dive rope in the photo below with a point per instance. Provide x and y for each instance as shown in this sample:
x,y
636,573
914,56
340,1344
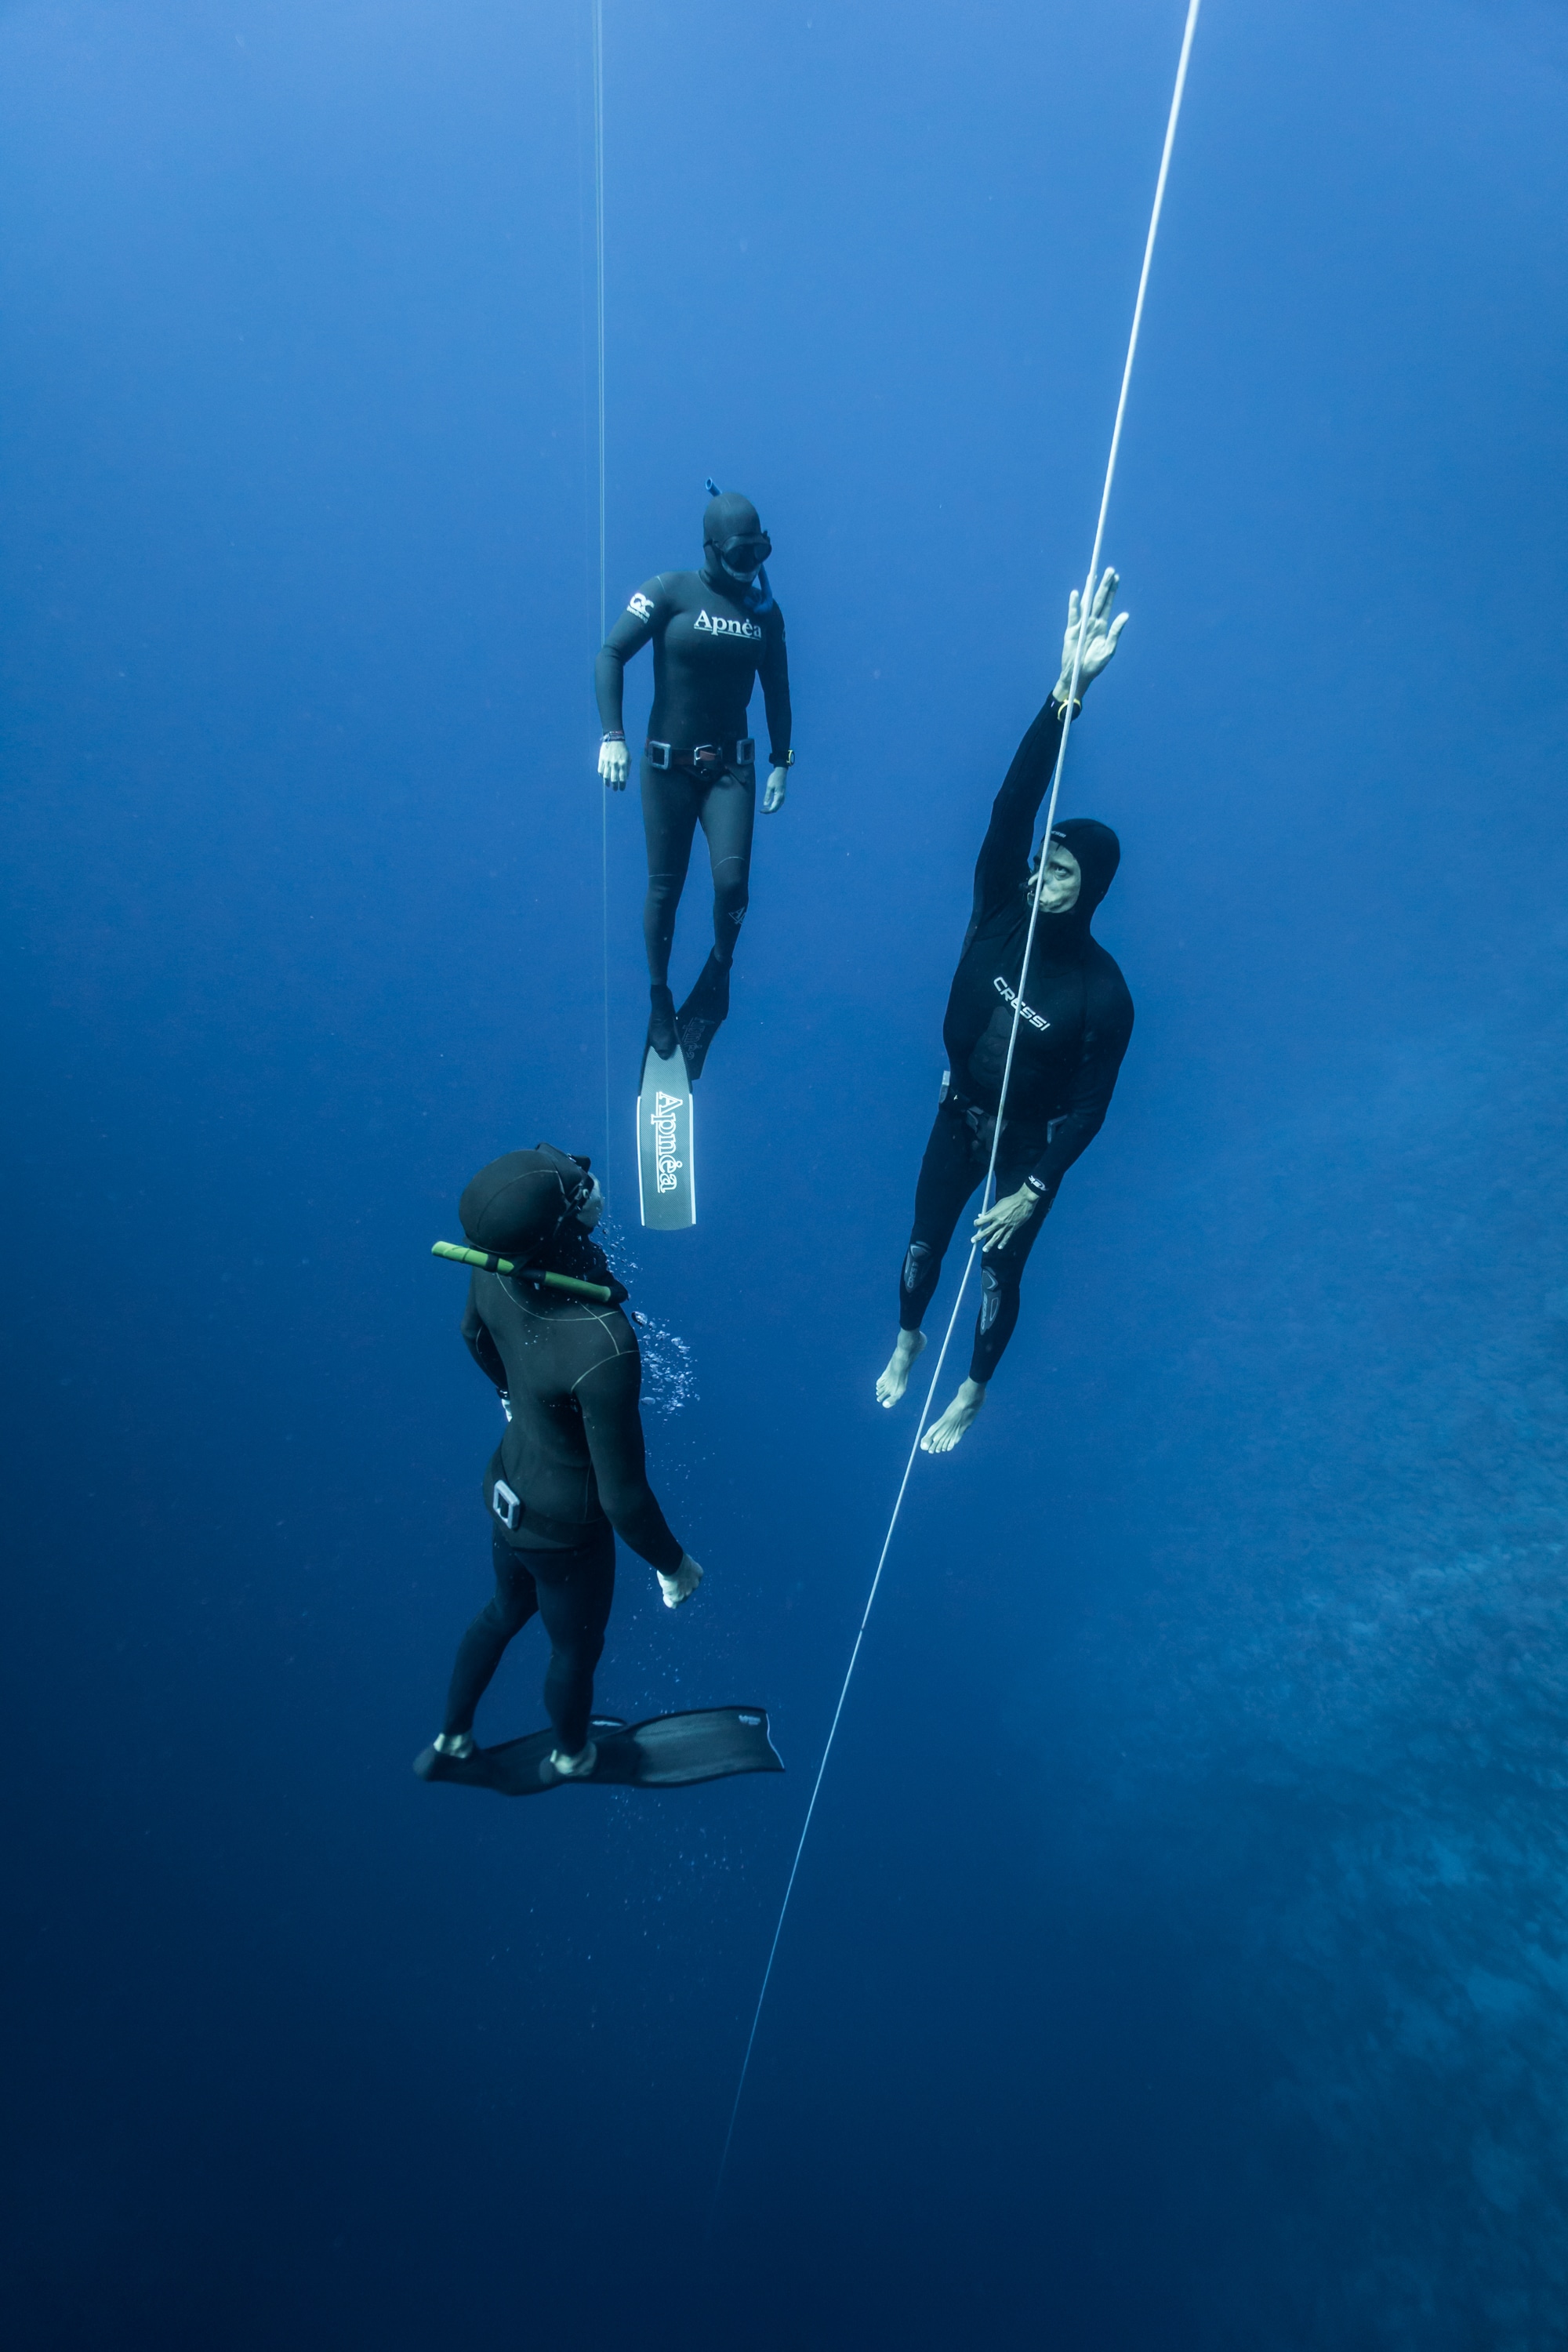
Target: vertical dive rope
x,y
598,22
975,1247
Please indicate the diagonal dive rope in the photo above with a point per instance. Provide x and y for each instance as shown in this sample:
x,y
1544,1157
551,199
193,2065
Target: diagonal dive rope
x,y
1085,603
598,24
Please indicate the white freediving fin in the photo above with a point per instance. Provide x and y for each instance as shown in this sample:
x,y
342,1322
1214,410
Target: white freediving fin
x,y
667,1170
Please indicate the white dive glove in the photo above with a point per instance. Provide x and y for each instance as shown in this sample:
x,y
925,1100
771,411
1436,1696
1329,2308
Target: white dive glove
x,y
615,762
1099,639
774,790
683,1584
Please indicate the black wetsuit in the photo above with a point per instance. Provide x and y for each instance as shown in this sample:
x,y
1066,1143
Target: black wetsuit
x,y
573,1455
710,646
1073,1031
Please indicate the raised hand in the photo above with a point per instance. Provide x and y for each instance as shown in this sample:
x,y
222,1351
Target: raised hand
x,y
1100,634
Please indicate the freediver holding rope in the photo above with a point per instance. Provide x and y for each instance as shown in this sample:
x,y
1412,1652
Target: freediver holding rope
x,y
1071,1016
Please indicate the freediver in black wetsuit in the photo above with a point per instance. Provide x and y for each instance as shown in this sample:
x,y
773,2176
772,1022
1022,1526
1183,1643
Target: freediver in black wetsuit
x,y
1073,1029
569,1476
714,633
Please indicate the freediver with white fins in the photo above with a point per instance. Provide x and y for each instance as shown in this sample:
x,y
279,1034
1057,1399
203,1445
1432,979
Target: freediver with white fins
x,y
714,634
1073,1028
543,1322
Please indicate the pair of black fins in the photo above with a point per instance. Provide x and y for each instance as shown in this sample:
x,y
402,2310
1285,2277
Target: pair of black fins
x,y
702,1017
668,1751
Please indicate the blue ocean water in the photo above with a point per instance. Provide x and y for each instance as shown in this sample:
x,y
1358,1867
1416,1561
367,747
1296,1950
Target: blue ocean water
x,y
1181,1952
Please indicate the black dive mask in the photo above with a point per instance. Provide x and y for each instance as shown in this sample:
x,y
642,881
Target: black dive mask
x,y
743,557
575,1173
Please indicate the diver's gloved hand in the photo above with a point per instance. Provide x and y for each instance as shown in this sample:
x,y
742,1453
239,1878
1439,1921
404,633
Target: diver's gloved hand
x,y
1100,635
775,790
615,762
996,1226
683,1584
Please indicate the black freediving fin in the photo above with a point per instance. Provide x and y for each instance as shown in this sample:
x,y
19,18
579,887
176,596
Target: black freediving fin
x,y
662,1029
702,1014
668,1751
666,1167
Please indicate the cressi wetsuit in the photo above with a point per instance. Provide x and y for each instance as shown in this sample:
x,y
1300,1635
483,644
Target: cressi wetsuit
x,y
1073,1030
710,646
573,1459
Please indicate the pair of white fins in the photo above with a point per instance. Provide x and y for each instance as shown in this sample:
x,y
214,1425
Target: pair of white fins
x,y
666,1163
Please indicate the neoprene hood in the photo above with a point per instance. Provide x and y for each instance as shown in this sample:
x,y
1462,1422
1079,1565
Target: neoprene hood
x,y
516,1206
1098,852
728,520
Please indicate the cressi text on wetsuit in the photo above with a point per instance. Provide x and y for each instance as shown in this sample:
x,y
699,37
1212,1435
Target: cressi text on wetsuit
x,y
573,1457
1074,1025
711,645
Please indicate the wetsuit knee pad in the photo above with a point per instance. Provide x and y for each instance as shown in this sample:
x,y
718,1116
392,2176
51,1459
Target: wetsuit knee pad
x,y
994,1292
917,1261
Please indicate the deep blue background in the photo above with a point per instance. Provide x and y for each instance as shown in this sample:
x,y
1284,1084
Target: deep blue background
x,y
1181,1952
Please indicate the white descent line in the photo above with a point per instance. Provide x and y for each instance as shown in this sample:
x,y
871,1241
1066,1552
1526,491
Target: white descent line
x,y
1087,600
833,1726
598,10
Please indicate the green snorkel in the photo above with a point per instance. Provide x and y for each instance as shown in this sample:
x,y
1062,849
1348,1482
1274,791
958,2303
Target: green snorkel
x,y
487,1264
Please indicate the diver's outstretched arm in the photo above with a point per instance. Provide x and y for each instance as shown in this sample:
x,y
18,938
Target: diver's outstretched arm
x,y
1004,861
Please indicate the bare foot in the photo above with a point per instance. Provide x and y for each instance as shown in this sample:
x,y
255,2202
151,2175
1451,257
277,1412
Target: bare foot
x,y
943,1434
896,1379
578,1767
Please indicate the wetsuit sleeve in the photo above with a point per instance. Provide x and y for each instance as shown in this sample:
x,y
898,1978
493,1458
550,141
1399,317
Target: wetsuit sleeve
x,y
630,633
613,1426
1107,1029
481,1347
773,671
1004,861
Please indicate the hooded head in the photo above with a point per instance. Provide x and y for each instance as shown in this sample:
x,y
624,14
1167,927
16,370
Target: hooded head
x,y
518,1206
734,545
1097,854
